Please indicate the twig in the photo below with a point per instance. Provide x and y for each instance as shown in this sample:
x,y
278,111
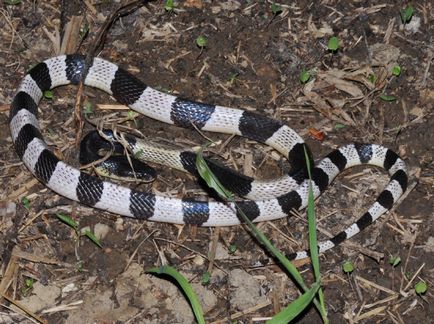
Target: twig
x,y
91,53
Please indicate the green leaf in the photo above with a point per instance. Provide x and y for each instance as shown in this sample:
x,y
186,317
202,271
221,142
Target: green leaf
x,y
68,221
313,242
348,267
207,175
396,70
407,14
304,76
232,77
169,5
186,288
385,97
26,202
206,277
91,236
371,78
87,108
201,41
296,307
84,30
232,248
421,287
394,260
276,9
339,126
132,114
29,283
48,94
333,44
11,2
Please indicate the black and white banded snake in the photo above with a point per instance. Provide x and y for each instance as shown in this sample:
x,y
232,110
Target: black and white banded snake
x,y
89,190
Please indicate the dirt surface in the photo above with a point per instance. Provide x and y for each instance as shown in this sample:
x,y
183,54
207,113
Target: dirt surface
x,y
253,59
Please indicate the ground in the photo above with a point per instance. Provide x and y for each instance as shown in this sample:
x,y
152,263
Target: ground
x,y
253,59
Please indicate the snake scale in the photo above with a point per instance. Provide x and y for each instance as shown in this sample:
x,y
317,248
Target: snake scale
x,y
287,193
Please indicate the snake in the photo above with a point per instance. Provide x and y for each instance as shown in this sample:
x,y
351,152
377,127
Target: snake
x,y
292,189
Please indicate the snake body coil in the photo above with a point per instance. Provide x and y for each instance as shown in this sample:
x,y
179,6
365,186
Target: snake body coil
x,y
291,190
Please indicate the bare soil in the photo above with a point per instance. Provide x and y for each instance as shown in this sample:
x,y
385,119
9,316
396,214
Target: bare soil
x,y
253,59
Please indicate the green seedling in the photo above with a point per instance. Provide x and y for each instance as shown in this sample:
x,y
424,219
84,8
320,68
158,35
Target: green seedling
x,y
305,76
372,78
407,14
26,202
394,260
169,5
206,278
73,224
48,94
276,9
87,108
388,98
232,77
333,44
201,41
84,30
420,288
396,70
348,267
28,285
232,248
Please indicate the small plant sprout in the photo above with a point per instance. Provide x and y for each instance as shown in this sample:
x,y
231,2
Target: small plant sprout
x,y
26,202
73,224
48,94
394,260
396,71
372,78
420,288
87,108
201,41
388,98
28,283
169,5
206,278
348,267
333,44
305,76
84,30
406,14
232,248
132,115
232,77
276,9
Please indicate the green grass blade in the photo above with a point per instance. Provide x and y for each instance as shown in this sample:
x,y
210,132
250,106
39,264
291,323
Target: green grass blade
x,y
68,221
186,288
296,307
207,175
313,241
91,236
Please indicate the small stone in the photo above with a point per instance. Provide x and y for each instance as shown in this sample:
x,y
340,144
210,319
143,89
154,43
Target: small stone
x,y
101,230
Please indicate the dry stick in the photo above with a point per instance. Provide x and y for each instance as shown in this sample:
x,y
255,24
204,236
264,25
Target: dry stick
x,y
213,250
98,44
